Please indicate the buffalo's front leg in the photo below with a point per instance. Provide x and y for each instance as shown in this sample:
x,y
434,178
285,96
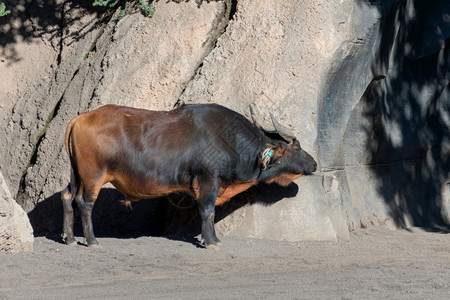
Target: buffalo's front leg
x,y
206,204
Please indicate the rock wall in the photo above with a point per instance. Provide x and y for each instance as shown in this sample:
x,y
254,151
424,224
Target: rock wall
x,y
364,85
275,57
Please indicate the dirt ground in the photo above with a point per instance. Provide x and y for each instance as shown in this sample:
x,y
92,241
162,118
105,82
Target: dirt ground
x,y
375,263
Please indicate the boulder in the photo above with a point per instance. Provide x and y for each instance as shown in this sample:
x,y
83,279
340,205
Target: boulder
x,y
16,233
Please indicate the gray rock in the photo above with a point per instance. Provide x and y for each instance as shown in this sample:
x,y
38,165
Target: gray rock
x,y
304,216
16,233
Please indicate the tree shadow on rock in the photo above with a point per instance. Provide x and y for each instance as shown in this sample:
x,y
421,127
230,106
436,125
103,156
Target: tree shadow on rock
x,y
409,113
49,19
53,20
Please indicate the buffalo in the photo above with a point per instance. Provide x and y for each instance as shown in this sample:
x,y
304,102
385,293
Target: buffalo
x,y
205,150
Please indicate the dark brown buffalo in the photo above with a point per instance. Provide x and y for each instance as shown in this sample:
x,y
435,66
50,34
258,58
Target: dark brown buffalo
x,y
205,150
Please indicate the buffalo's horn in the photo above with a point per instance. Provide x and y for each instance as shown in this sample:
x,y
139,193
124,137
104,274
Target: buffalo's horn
x,y
258,123
285,132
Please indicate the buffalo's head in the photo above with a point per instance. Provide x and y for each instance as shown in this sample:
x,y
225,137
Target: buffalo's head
x,y
283,159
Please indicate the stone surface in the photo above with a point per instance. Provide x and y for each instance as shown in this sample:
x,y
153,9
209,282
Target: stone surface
x,y
21,38
16,233
24,125
305,216
273,56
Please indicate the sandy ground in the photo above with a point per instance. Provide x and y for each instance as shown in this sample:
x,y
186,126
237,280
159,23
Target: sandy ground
x,y
374,264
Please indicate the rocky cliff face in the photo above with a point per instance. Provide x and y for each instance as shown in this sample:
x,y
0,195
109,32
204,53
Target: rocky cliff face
x,y
364,85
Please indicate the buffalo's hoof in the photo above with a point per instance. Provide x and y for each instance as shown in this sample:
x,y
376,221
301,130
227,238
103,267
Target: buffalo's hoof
x,y
213,245
95,246
70,241
92,243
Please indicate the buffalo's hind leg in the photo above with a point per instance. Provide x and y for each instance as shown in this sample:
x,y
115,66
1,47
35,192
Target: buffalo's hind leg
x,y
85,202
68,219
206,202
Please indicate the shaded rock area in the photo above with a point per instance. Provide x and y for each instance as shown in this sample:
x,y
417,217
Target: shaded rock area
x,y
363,84
388,149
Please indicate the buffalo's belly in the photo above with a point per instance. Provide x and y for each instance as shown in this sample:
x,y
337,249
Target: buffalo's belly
x,y
283,179
146,189
228,192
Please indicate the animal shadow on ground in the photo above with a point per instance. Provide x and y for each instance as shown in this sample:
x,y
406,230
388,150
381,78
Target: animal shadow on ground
x,y
175,216
183,220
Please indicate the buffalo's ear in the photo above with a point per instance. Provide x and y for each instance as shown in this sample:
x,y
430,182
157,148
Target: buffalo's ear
x,y
279,150
271,154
